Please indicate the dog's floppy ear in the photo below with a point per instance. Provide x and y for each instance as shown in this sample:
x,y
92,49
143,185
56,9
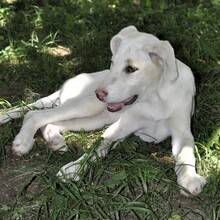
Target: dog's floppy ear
x,y
164,52
116,40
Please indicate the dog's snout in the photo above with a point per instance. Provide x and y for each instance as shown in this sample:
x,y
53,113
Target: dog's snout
x,y
101,94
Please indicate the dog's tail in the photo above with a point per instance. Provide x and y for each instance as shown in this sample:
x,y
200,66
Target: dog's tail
x,y
46,102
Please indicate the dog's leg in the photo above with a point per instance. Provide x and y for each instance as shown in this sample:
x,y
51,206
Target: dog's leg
x,y
73,170
117,131
51,132
183,151
77,87
46,102
87,107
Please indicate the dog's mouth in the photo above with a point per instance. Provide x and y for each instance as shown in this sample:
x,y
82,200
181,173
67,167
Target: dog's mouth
x,y
117,106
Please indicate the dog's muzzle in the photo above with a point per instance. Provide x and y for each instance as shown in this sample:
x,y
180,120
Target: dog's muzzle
x,y
117,106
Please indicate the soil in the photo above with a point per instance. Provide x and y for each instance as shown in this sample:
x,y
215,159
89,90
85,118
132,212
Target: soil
x,y
13,174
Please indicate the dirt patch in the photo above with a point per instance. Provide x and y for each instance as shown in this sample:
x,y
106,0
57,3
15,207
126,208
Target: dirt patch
x,y
14,173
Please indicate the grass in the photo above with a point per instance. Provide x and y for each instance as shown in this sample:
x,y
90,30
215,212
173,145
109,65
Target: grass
x,y
136,180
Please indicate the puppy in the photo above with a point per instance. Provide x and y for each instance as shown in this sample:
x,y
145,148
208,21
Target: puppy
x,y
146,91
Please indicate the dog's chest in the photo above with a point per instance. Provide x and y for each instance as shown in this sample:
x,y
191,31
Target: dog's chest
x,y
154,131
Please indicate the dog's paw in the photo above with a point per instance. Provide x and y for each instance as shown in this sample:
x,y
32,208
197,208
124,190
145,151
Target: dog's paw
x,y
57,143
192,183
54,138
22,146
60,146
72,170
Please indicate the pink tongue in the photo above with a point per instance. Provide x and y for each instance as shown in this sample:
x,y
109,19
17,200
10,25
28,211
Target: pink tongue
x,y
115,106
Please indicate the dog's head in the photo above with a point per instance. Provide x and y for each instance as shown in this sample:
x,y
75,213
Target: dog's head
x,y
140,64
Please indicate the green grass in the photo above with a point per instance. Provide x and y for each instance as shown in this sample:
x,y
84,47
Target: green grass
x,y
136,180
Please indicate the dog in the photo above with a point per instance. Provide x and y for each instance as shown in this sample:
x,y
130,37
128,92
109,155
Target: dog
x,y
146,91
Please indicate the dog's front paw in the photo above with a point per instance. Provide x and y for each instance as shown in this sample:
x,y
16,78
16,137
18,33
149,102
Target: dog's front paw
x,y
72,170
22,146
192,183
58,144
54,138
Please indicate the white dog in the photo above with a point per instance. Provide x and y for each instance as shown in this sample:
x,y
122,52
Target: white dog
x,y
146,91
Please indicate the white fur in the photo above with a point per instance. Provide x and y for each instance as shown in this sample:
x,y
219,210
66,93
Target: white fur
x,y
165,89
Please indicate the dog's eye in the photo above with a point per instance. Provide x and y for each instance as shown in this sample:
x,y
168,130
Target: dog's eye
x,y
130,69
